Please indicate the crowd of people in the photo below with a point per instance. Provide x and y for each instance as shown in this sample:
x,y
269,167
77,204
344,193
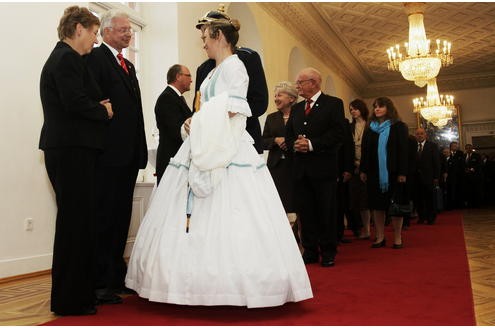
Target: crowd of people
x,y
218,227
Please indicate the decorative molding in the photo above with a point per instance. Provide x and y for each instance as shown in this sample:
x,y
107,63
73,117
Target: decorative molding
x,y
295,15
25,276
25,265
142,195
351,39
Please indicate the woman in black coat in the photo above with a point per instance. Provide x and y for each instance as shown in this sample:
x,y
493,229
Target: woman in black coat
x,y
72,136
384,165
279,164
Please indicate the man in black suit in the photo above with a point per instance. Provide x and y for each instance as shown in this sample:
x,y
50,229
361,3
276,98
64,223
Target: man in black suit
x,y
124,154
454,177
426,178
257,93
172,116
473,177
315,133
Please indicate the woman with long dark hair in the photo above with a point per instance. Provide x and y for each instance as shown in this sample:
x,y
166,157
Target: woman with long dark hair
x,y
358,195
384,166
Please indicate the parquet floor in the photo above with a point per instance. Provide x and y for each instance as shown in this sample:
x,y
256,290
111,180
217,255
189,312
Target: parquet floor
x,y
479,233
26,302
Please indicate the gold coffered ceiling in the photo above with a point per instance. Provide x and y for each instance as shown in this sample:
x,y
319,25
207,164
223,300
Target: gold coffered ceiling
x,y
352,37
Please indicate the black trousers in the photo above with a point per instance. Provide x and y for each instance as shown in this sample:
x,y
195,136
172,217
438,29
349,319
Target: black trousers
x,y
115,196
318,214
72,173
423,201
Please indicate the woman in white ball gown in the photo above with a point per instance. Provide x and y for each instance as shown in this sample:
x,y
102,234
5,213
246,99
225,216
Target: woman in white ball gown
x,y
238,247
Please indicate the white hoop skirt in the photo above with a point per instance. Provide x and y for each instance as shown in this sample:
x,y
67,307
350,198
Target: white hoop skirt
x,y
240,249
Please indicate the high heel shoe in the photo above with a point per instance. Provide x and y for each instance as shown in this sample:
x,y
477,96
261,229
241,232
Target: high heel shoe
x,y
378,245
397,246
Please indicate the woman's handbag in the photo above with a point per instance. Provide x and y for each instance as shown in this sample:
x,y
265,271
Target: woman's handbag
x,y
400,203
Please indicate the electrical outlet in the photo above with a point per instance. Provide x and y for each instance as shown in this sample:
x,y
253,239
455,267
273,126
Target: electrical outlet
x,y
29,224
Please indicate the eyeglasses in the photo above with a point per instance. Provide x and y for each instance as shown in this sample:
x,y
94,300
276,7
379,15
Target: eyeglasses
x,y
300,82
123,30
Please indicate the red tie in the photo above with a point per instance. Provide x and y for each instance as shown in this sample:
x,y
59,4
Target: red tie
x,y
122,62
308,107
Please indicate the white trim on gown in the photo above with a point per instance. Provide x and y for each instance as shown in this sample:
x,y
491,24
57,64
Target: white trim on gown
x,y
240,249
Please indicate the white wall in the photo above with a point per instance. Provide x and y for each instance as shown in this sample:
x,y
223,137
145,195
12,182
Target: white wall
x,y
30,35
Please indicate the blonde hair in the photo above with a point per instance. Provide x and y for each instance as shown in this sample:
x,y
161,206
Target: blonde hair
x,y
288,88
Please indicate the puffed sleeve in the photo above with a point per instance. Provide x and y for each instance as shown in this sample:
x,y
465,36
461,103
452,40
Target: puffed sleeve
x,y
238,81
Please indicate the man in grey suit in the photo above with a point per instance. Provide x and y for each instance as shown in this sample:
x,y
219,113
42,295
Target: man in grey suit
x,y
172,116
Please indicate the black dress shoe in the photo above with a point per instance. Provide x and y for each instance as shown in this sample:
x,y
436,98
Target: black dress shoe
x,y
310,259
124,291
397,246
105,296
378,245
345,241
329,262
91,310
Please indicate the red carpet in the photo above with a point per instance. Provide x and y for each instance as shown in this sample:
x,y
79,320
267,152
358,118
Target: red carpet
x,y
425,283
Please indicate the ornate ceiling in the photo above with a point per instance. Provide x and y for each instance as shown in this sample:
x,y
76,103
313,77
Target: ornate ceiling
x,y
352,37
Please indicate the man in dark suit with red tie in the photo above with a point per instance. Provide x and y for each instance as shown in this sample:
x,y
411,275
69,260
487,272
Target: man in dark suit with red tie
x,y
172,116
427,177
124,154
315,133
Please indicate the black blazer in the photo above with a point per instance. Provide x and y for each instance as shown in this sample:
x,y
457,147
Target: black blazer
x,y
125,137
455,166
274,127
428,164
257,93
474,163
70,98
170,113
397,154
324,127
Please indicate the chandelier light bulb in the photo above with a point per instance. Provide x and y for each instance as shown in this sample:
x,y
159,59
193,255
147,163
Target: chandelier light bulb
x,y
435,108
419,64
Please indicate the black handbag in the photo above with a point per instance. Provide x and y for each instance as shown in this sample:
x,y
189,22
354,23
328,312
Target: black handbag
x,y
437,199
400,203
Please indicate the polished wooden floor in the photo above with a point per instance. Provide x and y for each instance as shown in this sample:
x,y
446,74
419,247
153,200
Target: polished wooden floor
x,y
27,302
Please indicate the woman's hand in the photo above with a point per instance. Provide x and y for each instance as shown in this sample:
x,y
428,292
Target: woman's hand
x,y
187,125
363,177
280,141
401,179
232,114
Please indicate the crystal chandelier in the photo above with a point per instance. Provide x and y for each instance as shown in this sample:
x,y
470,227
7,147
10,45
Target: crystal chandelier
x,y
418,63
437,109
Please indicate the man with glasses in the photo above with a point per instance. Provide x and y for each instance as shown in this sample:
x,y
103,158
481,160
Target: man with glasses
x,y
315,133
172,116
124,154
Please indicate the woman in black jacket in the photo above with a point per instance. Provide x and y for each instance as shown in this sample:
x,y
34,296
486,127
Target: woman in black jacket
x,y
384,165
72,136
